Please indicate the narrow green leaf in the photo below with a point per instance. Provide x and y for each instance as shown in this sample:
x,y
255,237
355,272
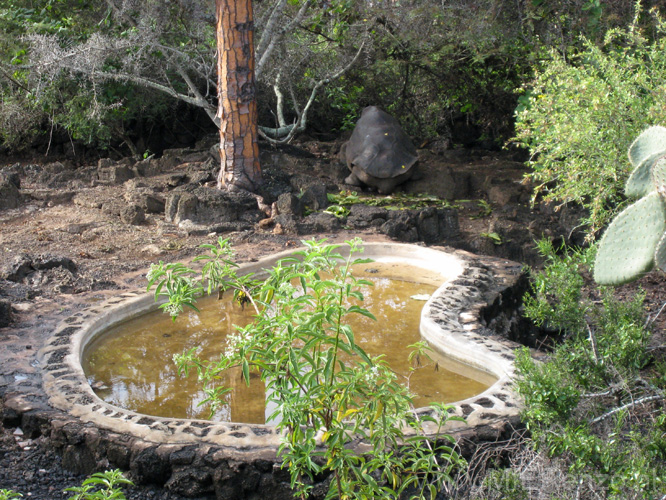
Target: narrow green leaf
x,y
362,311
349,334
158,290
246,371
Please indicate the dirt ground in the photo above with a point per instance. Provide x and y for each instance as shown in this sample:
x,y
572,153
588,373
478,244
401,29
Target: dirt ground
x,y
69,244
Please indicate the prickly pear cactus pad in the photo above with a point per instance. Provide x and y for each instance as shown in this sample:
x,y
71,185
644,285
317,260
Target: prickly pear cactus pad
x,y
643,153
640,181
651,141
627,249
660,253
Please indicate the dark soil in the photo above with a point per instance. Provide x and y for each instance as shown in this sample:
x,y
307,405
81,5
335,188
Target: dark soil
x,y
71,242
32,468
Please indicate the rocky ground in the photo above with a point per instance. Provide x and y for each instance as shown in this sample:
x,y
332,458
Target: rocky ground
x,y
74,234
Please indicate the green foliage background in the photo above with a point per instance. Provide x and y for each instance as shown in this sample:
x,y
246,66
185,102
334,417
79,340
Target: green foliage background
x,y
443,69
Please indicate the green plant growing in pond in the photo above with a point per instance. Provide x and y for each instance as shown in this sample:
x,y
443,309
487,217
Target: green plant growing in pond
x,y
636,239
325,405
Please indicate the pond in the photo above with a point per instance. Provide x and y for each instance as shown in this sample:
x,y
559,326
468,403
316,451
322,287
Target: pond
x,y
131,366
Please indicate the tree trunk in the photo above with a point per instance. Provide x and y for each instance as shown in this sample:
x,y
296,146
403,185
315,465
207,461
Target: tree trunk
x,y
237,105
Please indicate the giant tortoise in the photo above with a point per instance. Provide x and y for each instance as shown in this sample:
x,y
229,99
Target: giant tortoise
x,y
378,153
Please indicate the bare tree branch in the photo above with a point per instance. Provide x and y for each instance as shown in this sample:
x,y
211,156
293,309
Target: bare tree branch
x,y
263,57
301,123
267,34
279,101
145,56
199,99
121,13
640,401
151,84
593,343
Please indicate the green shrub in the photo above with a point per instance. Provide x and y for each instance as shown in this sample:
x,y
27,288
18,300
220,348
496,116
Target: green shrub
x,y
581,112
559,301
101,485
503,484
548,391
561,279
323,403
621,334
579,402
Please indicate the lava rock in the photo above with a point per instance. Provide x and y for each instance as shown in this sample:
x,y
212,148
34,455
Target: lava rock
x,y
10,197
18,268
401,227
289,204
210,206
12,177
116,174
24,265
132,214
362,216
152,204
5,313
176,180
434,225
314,197
285,224
180,206
201,177
78,459
16,292
50,261
149,467
191,482
319,223
139,193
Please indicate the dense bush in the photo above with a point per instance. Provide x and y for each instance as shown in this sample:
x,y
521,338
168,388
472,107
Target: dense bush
x,y
590,405
452,68
582,111
100,114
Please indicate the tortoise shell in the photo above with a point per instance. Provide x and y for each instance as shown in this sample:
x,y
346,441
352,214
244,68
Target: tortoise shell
x,y
379,146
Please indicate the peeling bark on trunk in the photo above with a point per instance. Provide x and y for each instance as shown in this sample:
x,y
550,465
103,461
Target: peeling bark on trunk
x,y
237,108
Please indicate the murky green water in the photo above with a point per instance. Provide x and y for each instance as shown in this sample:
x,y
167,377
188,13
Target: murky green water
x,y
131,365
